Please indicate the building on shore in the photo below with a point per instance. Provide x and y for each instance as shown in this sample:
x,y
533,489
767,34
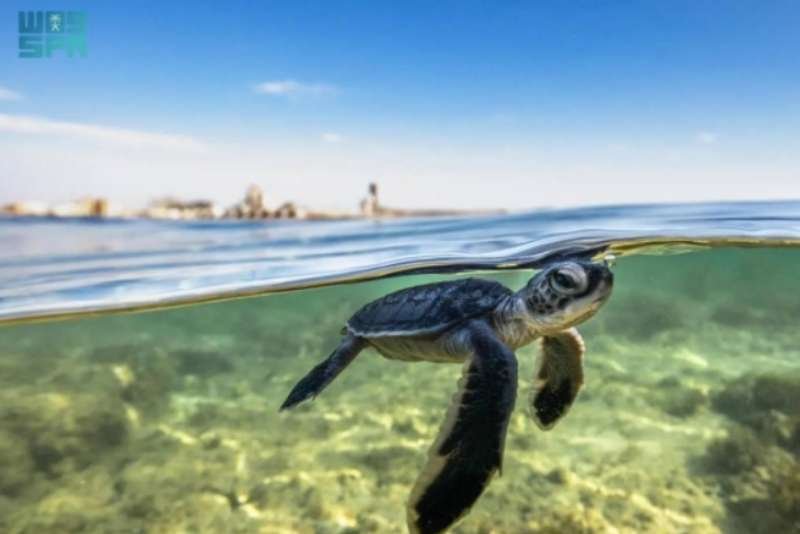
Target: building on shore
x,y
290,210
252,206
170,208
26,209
84,207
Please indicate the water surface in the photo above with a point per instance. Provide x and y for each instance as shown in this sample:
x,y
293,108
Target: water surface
x,y
70,267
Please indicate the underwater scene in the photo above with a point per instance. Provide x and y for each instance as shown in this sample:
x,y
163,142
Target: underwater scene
x,y
168,421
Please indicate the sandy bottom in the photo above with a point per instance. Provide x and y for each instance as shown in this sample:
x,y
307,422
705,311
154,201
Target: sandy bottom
x,y
167,422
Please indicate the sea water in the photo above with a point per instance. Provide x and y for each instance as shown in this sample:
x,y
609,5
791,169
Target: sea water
x,y
167,421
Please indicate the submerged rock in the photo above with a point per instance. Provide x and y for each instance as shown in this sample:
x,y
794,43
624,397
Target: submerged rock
x,y
78,504
573,522
63,432
738,452
768,404
769,505
759,483
16,465
759,392
785,494
677,399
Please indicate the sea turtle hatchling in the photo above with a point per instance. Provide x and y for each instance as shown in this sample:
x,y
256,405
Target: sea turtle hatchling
x,y
479,322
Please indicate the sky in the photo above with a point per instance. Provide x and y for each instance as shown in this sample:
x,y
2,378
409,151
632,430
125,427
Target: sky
x,y
444,104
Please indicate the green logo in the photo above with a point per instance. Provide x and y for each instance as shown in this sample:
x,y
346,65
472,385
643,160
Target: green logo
x,y
45,33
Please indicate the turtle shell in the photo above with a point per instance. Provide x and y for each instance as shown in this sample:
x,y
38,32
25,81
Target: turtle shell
x,y
427,309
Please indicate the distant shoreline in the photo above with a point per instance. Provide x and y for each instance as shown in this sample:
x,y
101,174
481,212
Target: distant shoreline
x,y
252,207
406,214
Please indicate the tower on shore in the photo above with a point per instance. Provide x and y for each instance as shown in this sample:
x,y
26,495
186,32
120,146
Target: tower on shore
x,y
369,205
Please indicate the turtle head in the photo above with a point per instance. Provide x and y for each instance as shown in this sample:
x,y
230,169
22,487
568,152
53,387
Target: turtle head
x,y
567,293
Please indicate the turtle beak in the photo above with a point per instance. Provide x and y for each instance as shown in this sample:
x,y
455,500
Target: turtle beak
x,y
608,278
605,282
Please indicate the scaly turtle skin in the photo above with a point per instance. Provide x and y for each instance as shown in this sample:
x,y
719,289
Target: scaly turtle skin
x,y
481,323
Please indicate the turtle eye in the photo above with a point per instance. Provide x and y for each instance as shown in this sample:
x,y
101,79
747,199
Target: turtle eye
x,y
565,281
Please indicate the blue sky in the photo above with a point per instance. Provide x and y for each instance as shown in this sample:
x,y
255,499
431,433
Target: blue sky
x,y
452,104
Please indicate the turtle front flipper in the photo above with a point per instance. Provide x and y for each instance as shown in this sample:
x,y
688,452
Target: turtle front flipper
x,y
558,377
469,448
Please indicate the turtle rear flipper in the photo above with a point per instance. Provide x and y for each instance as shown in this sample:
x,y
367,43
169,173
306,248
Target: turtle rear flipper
x,y
323,373
469,449
558,377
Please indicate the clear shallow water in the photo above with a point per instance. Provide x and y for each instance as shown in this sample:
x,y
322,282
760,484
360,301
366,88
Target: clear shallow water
x,y
167,421
58,267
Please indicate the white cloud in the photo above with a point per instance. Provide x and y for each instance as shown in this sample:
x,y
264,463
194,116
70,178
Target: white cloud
x,y
705,138
8,94
332,137
31,125
294,89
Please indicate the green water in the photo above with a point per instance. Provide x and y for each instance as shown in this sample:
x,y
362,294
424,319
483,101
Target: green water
x,y
689,420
